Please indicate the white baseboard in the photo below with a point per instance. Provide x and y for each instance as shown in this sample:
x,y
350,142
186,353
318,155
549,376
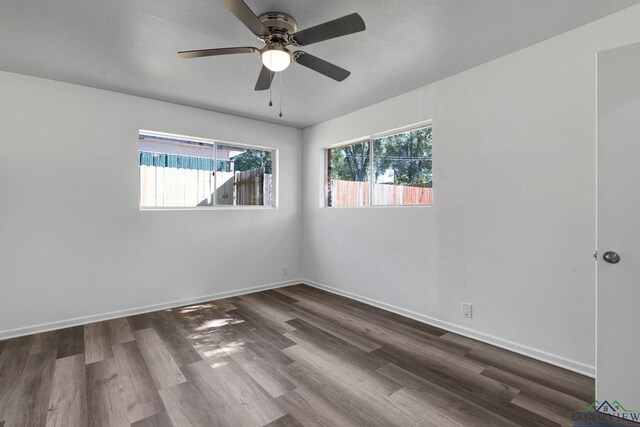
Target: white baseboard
x,y
525,350
50,326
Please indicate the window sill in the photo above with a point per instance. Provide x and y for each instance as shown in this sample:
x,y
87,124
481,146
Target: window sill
x,y
377,207
210,208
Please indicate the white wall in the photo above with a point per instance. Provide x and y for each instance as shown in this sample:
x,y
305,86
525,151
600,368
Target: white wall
x,y
512,230
72,240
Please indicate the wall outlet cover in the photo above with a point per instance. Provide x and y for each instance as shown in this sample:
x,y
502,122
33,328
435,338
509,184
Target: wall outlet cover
x,y
466,310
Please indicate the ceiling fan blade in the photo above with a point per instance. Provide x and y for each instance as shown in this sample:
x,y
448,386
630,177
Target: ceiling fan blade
x,y
321,66
216,52
264,79
246,16
329,30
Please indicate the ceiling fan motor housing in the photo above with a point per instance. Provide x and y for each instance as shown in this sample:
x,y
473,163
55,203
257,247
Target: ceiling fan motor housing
x,y
279,25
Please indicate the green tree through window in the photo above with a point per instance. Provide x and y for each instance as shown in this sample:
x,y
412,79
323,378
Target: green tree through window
x,y
404,158
351,162
252,159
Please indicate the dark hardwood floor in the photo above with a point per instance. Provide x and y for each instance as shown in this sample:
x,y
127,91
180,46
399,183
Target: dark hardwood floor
x,y
288,357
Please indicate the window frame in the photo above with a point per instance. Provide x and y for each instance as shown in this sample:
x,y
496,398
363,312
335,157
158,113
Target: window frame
x,y
326,181
275,171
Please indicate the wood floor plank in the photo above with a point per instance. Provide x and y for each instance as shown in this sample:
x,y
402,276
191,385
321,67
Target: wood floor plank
x,y
44,342
447,375
163,368
119,330
216,346
554,377
263,343
97,343
361,406
145,320
474,389
282,304
70,341
218,343
548,410
304,292
388,338
242,398
349,368
312,410
12,363
271,329
105,407
438,404
465,342
567,382
393,318
139,321
382,331
285,421
268,377
187,406
273,293
306,333
423,336
25,341
206,324
336,330
272,316
227,306
350,373
427,412
159,420
175,341
33,391
292,310
259,317
140,396
68,401
535,389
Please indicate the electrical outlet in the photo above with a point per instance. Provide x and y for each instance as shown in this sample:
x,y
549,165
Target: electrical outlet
x,y
466,310
285,271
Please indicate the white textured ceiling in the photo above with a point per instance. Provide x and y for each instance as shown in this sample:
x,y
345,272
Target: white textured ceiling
x,y
130,46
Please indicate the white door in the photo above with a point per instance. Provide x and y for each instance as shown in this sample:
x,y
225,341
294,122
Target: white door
x,y
618,284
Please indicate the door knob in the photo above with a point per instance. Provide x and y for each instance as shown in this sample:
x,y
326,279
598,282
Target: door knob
x,y
611,257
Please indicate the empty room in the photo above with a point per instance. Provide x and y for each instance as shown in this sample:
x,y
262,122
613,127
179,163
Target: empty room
x,y
319,213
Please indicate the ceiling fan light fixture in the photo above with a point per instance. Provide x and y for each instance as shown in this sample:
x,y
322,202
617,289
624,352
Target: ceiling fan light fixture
x,y
276,57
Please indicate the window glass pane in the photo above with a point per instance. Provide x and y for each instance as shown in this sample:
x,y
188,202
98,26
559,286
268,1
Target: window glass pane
x,y
244,176
175,172
403,168
348,175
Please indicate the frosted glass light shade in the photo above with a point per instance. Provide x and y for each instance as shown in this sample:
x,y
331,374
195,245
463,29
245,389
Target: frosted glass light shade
x,y
276,60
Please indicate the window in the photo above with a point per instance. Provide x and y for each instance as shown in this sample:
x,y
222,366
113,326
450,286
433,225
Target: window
x,y
384,170
183,172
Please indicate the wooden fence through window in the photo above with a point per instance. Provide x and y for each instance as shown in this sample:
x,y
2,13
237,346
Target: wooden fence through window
x,y
162,186
356,193
253,187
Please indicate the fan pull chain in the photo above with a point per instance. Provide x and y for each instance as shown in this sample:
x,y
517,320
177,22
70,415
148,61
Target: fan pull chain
x,y
270,103
280,115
